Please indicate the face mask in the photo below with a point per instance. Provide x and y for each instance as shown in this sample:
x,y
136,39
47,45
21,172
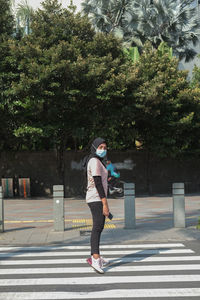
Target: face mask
x,y
101,153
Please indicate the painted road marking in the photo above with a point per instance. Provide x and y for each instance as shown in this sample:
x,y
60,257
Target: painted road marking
x,y
89,221
119,293
50,276
86,253
100,280
135,246
13,284
139,259
109,269
89,227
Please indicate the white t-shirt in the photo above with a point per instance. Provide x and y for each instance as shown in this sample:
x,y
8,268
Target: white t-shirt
x,y
95,168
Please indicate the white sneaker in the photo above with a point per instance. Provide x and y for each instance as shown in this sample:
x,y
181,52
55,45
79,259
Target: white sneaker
x,y
118,190
111,191
96,265
104,262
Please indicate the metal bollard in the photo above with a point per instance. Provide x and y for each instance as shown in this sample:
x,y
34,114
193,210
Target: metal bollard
x,y
178,205
58,207
1,211
129,205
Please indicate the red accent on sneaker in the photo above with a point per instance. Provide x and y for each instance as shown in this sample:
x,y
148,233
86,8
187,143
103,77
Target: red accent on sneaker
x,y
89,260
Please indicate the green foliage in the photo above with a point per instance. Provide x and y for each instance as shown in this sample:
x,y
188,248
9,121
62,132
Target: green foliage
x,y
68,76
163,48
166,108
24,16
198,225
6,18
132,53
195,82
6,74
137,21
63,84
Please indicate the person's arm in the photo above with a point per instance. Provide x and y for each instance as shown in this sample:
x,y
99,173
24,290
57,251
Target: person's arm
x,y
102,195
99,186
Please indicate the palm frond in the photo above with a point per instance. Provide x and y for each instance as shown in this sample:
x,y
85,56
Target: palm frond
x,y
173,21
24,10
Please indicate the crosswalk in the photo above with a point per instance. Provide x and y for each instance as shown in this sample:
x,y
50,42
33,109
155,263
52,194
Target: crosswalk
x,y
137,271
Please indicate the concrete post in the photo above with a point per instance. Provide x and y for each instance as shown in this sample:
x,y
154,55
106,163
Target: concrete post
x,y
178,205
129,205
1,211
58,207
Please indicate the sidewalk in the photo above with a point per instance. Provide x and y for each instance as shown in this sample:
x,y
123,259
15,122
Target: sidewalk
x,y
30,222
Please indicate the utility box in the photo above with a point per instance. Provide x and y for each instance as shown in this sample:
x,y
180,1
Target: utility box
x,y
7,187
24,187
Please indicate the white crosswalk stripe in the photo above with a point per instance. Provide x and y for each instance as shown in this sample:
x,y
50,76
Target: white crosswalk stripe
x,y
131,293
104,252
139,259
49,248
145,271
108,269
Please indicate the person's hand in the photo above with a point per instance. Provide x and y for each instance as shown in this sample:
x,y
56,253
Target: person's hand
x,y
116,175
105,210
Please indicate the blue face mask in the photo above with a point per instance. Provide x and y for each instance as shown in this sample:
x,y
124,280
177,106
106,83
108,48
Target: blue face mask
x,y
101,153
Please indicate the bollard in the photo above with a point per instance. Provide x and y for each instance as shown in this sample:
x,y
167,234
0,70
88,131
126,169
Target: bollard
x,y
1,211
178,205
129,205
58,207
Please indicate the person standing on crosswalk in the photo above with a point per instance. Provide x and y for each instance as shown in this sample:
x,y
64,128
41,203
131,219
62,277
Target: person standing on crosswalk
x,y
96,198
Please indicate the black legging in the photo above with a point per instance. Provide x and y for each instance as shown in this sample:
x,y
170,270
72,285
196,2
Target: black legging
x,y
98,225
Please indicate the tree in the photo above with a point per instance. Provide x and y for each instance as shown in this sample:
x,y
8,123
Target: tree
x,y
6,18
166,108
65,67
7,74
138,21
107,16
195,82
23,15
68,84
163,108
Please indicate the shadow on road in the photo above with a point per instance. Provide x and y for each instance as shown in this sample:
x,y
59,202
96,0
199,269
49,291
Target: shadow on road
x,y
135,257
